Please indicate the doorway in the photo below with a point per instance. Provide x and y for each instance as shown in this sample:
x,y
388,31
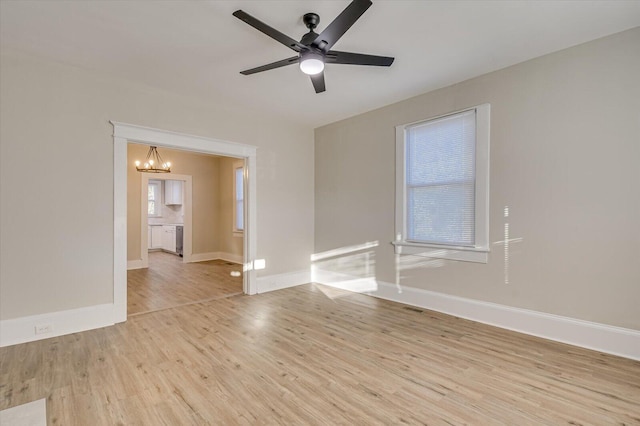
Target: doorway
x,y
184,216
185,241
127,133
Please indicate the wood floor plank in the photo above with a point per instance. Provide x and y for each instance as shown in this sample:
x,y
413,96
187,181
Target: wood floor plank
x,y
309,356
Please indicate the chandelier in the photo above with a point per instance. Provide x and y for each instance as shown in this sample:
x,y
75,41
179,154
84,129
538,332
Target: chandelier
x,y
154,163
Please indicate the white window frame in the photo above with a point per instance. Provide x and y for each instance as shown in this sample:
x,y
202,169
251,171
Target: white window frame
x,y
158,202
236,231
479,252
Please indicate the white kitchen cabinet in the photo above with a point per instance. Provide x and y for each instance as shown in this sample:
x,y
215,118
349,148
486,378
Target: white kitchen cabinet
x,y
156,237
173,192
169,238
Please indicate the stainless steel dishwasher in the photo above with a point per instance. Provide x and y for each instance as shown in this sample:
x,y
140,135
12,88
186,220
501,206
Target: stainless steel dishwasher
x,y
179,233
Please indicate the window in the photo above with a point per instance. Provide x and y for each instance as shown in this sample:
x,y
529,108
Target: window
x,y
154,207
442,186
238,193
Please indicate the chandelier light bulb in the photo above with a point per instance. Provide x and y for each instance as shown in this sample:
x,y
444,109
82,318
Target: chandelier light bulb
x,y
153,163
168,164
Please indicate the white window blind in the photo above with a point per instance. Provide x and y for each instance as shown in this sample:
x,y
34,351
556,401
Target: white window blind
x,y
440,180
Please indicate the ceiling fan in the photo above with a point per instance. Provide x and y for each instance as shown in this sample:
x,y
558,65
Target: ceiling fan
x,y
314,50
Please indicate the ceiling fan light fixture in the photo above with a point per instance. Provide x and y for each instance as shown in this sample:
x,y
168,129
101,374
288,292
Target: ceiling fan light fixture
x,y
311,63
313,49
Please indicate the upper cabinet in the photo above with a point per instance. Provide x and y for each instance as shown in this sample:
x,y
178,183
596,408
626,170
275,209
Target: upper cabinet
x,y
173,192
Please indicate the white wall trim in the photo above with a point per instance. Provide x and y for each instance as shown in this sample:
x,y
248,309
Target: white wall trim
x,y
230,257
123,134
135,264
195,257
285,280
22,330
619,341
204,257
217,255
119,228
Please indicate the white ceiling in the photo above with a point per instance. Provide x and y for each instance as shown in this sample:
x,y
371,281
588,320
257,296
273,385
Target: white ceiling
x,y
197,48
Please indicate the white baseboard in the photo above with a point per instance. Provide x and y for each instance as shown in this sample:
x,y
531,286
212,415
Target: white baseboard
x,y
280,281
22,330
134,264
203,257
217,255
198,257
230,257
619,341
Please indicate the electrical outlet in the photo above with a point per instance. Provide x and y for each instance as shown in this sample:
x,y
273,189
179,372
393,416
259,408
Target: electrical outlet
x,y
44,328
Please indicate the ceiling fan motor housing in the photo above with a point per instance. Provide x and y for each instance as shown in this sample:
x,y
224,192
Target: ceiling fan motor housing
x,y
311,20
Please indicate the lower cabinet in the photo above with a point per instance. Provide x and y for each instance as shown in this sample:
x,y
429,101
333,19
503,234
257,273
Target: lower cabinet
x,y
156,239
162,237
169,238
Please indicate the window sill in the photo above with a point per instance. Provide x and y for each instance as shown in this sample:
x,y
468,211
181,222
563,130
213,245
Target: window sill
x,y
238,233
464,254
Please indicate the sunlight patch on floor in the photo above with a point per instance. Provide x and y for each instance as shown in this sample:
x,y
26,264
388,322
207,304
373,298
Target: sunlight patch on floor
x,y
350,268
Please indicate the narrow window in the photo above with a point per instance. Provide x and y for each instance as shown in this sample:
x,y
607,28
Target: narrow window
x,y
238,192
153,198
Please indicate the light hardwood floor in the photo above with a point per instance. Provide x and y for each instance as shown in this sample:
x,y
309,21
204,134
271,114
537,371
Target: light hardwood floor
x,y
314,355
168,283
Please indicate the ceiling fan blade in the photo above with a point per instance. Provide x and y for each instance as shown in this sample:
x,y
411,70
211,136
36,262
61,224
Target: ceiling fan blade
x,y
336,57
271,32
341,24
318,82
273,65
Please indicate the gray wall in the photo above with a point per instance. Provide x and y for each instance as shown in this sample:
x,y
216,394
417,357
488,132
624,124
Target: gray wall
x,y
56,179
565,159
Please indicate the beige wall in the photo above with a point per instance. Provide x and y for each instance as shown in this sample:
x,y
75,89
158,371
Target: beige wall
x,y
229,243
204,171
565,159
213,199
56,179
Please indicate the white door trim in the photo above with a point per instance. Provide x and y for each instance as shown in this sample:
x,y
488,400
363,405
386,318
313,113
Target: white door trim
x,y
188,216
124,133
